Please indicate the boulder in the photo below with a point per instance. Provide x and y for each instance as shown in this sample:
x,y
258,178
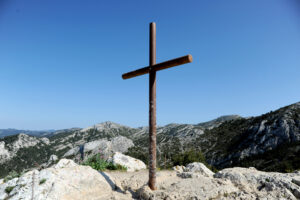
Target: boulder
x,y
103,146
197,167
66,180
130,163
53,158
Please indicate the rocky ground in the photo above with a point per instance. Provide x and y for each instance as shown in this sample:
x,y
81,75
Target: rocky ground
x,y
67,180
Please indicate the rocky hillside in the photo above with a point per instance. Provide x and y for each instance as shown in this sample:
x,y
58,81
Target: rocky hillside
x,y
79,144
269,142
21,151
9,146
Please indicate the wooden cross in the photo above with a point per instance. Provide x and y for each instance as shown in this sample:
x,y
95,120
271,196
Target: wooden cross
x,y
151,70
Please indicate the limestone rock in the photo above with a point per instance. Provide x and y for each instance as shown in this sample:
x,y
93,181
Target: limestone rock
x,y
22,141
104,126
199,168
172,187
4,153
103,146
65,181
130,163
294,180
193,170
258,181
65,163
53,158
72,152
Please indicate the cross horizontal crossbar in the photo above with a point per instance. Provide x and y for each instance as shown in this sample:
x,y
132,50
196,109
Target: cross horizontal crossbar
x,y
159,66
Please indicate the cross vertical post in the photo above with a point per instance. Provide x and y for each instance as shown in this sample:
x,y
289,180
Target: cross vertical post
x,y
151,70
152,108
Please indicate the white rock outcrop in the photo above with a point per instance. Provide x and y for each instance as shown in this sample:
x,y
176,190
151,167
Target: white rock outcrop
x,y
199,168
68,181
130,163
4,153
22,141
65,181
104,126
52,160
195,169
273,183
103,146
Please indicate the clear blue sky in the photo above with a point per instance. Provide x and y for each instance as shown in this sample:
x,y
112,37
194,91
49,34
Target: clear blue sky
x,y
61,61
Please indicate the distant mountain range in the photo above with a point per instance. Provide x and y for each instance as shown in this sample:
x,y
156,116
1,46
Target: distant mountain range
x,y
51,132
268,142
37,133
11,131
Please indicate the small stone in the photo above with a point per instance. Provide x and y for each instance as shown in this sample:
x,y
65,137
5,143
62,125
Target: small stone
x,y
185,175
179,168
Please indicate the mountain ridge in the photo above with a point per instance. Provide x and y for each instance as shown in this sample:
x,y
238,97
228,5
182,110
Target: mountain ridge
x,y
225,142
101,125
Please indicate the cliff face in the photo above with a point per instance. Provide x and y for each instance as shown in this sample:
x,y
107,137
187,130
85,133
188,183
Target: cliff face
x,y
271,130
235,142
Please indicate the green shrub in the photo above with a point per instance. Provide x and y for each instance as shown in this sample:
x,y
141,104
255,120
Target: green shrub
x,y
191,156
139,153
111,166
9,189
11,175
42,181
188,157
98,163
